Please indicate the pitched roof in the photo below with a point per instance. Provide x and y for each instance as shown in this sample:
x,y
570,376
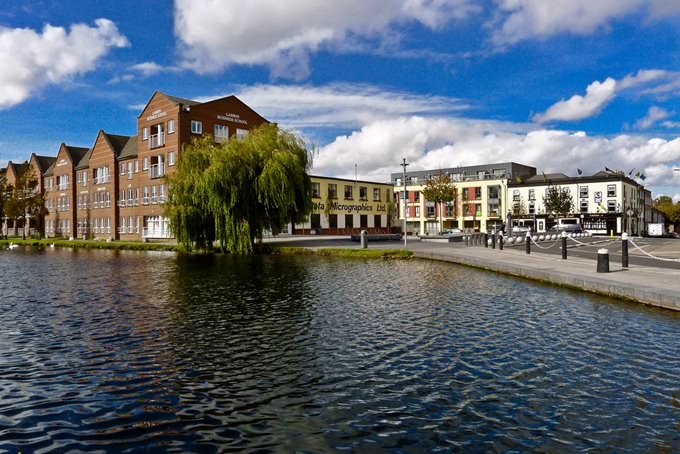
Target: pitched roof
x,y
178,100
117,142
50,170
43,162
75,153
130,148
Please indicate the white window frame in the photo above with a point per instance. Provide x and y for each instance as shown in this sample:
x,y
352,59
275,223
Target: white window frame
x,y
145,133
171,158
196,127
171,126
222,129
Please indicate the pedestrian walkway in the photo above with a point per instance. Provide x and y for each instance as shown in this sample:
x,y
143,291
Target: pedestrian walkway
x,y
649,285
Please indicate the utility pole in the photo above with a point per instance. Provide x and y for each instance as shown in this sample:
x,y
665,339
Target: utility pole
x,y
405,198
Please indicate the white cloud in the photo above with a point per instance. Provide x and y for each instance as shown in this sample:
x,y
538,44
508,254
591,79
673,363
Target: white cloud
x,y
339,105
654,115
217,33
599,94
540,19
676,198
432,143
148,68
30,60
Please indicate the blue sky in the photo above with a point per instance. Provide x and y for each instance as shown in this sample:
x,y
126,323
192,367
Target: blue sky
x,y
560,85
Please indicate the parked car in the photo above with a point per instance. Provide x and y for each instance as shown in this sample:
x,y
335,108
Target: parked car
x,y
569,228
520,230
451,231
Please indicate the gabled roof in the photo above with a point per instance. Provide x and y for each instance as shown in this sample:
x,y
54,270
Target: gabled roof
x,y
43,162
235,98
50,170
75,153
117,142
130,149
175,99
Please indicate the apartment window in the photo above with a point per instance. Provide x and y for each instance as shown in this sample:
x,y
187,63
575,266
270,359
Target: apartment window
x,y
450,206
363,221
532,194
121,168
316,190
145,164
430,210
377,221
417,212
388,194
363,193
221,133
85,177
161,194
78,177
333,221
332,191
145,133
515,195
129,170
611,190
137,225
583,191
376,194
416,197
493,191
315,221
348,192
584,206
196,127
349,221
171,126
145,196
108,199
611,205
478,209
532,207
478,193
171,158
136,165
241,133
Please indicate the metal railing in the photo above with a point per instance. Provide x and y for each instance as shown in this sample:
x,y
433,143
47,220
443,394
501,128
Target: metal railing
x,y
156,170
157,140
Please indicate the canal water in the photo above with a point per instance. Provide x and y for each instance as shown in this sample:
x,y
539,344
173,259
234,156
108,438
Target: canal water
x,y
126,352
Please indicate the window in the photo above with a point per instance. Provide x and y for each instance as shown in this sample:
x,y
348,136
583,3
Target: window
x,y
417,212
478,193
583,191
611,190
388,193
121,168
108,199
332,191
171,158
377,221
363,193
493,191
584,206
171,126
611,205
532,194
348,192
316,221
416,197
316,190
145,164
515,195
129,170
349,221
430,210
532,207
478,209
333,221
241,133
363,221
376,194
145,133
221,133
136,165
196,127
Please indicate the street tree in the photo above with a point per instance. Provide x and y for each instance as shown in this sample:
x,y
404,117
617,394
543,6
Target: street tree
x,y
235,191
25,201
440,189
558,201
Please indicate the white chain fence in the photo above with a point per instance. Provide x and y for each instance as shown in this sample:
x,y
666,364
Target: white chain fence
x,y
663,259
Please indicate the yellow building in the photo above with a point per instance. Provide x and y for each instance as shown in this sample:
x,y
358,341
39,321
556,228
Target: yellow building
x,y
342,207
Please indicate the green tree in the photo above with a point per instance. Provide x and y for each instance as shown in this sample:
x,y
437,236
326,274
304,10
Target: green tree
x,y
25,201
234,191
668,208
440,189
3,196
558,201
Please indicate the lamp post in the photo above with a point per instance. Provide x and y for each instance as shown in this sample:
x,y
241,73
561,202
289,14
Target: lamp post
x,y
405,199
629,215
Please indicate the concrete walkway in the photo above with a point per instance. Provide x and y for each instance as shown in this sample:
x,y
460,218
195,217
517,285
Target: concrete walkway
x,y
650,285
645,284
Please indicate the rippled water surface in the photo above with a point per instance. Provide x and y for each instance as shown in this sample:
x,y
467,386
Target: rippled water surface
x,y
126,352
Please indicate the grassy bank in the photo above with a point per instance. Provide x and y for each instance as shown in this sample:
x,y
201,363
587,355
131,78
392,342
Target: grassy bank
x,y
385,254
114,245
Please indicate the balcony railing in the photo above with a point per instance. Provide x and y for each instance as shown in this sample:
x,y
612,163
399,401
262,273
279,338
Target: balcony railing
x,y
145,200
121,203
156,170
154,199
102,179
157,140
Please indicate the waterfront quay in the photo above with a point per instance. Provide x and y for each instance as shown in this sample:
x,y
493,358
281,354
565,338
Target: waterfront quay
x,y
645,281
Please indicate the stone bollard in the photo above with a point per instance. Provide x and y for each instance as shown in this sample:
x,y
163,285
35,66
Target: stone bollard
x,y
364,239
500,242
486,239
602,260
564,245
624,250
528,242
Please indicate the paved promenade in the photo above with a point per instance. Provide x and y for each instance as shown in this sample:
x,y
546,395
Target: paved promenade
x,y
646,284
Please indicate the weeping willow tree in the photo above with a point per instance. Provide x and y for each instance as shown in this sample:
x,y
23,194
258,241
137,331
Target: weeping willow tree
x,y
235,191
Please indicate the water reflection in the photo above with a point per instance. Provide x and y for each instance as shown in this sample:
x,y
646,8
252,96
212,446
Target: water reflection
x,y
128,351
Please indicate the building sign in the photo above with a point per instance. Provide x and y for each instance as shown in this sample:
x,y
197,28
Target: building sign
x,y
156,114
234,118
349,208
598,197
62,162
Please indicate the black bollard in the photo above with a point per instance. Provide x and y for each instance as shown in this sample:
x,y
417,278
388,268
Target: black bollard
x,y
486,239
624,250
500,242
602,261
564,245
467,240
493,240
528,241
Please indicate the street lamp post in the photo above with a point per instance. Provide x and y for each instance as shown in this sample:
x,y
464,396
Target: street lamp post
x,y
405,199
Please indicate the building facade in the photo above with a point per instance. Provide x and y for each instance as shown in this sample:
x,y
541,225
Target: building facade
x,y
344,207
480,197
603,203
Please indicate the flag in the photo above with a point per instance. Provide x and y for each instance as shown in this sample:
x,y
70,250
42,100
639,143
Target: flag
x,y
637,174
643,177
579,171
607,169
631,171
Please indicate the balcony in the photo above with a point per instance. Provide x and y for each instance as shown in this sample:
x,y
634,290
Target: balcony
x,y
157,140
121,203
145,200
156,170
102,179
154,199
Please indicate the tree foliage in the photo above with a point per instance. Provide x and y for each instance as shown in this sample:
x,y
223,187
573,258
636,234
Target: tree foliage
x,y
558,201
235,191
668,208
440,189
23,199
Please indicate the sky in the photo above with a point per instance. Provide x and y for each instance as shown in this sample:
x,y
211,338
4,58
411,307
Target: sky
x,y
560,85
